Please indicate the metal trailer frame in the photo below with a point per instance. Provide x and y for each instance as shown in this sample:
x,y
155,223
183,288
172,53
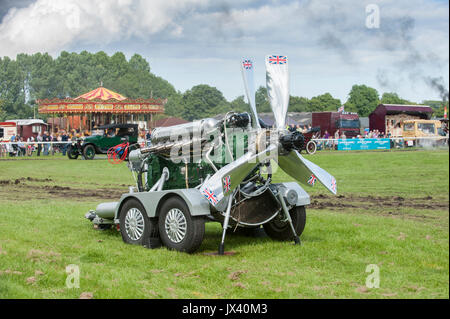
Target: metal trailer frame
x,y
196,202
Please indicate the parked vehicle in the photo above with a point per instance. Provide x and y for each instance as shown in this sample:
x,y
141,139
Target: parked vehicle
x,y
24,128
309,145
423,133
102,139
346,122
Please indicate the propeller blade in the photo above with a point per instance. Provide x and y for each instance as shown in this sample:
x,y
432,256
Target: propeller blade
x,y
226,179
249,84
277,83
306,172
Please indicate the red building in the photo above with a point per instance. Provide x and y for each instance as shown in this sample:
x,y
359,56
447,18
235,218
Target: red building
x,y
22,128
386,117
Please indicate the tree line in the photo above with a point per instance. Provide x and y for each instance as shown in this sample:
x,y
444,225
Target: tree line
x,y
39,76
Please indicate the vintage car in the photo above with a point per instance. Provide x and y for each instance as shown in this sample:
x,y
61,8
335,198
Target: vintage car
x,y
423,133
102,139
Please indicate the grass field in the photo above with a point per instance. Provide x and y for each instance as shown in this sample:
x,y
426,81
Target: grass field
x,y
392,211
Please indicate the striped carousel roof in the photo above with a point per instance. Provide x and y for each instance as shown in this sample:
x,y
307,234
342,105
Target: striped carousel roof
x,y
101,93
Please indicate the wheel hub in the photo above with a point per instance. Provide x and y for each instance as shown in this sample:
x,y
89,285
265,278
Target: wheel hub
x,y
175,225
134,223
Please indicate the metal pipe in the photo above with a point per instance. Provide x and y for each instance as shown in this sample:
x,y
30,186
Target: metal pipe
x,y
209,160
288,217
225,224
160,183
186,174
164,177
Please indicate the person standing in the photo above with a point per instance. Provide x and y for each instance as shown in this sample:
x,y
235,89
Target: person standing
x,y
52,144
46,139
39,140
336,137
64,138
21,146
30,142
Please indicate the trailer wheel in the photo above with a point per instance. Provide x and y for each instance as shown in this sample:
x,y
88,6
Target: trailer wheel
x,y
177,228
135,226
311,147
280,229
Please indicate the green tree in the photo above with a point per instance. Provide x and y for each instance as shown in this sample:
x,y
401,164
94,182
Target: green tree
x,y
203,101
2,113
298,104
393,98
39,76
323,102
437,106
239,105
261,100
362,99
174,105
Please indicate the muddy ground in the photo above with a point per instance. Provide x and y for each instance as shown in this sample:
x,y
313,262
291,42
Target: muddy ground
x,y
32,188
24,188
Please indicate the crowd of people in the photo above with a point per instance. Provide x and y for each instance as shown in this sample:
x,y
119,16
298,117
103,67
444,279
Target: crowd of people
x,y
43,144
331,142
46,143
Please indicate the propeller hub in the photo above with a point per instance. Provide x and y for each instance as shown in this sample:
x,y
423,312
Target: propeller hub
x,y
292,141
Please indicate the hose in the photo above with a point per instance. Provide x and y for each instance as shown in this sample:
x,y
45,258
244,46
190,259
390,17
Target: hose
x,y
118,153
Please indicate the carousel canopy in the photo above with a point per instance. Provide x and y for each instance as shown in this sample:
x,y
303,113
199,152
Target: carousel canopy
x,y
101,100
102,94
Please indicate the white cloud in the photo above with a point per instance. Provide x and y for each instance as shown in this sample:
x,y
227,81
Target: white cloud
x,y
326,40
52,25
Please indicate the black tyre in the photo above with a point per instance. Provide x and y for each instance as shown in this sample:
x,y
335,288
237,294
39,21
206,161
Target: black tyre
x,y
177,228
249,231
311,147
104,226
279,229
89,152
72,152
135,226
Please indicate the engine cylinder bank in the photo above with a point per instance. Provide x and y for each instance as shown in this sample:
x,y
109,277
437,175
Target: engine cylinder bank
x,y
200,128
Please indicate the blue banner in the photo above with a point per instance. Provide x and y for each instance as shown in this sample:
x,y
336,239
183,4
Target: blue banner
x,y
355,144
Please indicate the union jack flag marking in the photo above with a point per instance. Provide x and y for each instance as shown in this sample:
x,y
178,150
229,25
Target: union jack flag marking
x,y
312,180
210,196
247,64
333,185
226,184
277,59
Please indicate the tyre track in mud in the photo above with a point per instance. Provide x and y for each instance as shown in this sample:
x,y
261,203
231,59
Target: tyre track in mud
x,y
321,201
40,191
375,202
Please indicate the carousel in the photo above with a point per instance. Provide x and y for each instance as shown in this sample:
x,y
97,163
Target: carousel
x,y
99,107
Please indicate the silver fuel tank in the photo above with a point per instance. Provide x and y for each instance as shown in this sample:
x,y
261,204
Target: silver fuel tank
x,y
201,128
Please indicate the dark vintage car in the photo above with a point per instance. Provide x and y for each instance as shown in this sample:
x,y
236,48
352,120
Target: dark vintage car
x,y
102,139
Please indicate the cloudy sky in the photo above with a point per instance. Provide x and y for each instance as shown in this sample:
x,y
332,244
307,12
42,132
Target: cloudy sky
x,y
331,44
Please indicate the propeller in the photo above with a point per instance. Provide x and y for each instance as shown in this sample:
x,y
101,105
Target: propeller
x,y
289,159
305,171
247,68
284,150
277,83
